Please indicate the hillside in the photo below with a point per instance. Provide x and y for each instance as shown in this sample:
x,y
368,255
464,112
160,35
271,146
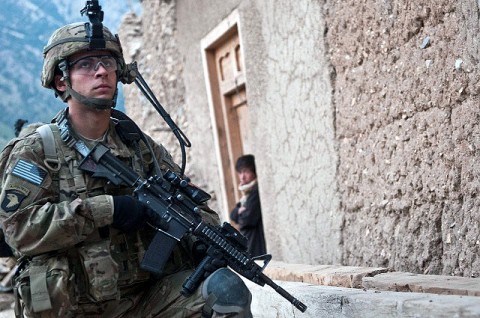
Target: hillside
x,y
25,27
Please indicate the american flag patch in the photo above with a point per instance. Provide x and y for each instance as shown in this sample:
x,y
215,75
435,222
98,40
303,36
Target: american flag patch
x,y
29,172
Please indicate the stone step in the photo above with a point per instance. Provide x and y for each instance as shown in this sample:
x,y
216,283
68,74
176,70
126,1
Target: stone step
x,y
435,284
327,275
349,291
375,278
340,302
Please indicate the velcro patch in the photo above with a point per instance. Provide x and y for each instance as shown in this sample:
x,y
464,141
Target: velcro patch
x,y
12,200
29,172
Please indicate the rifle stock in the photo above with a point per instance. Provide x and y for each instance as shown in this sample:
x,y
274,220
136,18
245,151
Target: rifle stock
x,y
176,204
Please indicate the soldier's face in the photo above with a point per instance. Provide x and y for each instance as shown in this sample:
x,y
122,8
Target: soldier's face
x,y
100,81
246,176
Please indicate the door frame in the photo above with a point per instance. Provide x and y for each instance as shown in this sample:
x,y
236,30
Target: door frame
x,y
224,29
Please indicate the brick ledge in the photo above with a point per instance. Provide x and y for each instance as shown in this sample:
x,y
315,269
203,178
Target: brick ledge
x,y
374,278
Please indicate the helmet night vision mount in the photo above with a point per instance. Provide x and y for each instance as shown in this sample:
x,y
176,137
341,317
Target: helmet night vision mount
x,y
94,29
95,35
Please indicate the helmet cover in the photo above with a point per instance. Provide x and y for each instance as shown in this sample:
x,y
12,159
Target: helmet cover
x,y
70,39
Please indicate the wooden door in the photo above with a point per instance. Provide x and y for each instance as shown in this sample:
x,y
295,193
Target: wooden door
x,y
226,77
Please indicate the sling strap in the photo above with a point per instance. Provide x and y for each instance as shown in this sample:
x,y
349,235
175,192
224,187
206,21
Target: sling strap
x,y
51,157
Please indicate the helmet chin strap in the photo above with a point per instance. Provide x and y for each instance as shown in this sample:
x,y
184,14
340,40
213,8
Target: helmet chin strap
x,y
97,103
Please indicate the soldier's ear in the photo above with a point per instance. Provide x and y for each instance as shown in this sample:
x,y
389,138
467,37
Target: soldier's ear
x,y
60,83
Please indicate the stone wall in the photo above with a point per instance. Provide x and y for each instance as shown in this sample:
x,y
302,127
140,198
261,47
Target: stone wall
x,y
365,115
288,84
406,92
288,89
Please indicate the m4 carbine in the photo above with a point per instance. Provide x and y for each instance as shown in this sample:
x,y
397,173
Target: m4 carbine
x,y
176,204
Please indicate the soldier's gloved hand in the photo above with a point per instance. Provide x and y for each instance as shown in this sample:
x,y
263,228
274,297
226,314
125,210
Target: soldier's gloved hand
x,y
215,258
129,214
199,251
217,261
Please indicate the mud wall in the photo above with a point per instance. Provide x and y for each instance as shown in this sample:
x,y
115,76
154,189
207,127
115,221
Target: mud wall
x,y
366,117
289,97
407,128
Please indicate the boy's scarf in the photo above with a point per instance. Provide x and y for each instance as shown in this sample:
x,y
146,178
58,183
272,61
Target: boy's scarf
x,y
246,189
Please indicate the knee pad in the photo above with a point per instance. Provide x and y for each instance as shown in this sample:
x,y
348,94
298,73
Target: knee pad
x,y
225,292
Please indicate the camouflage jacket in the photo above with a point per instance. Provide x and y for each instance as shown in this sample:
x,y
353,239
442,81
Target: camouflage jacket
x,y
50,212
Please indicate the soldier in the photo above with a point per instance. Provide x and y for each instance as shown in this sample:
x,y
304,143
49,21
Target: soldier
x,y
80,239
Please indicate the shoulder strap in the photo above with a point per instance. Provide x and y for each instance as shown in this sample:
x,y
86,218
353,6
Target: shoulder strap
x,y
63,163
51,157
50,150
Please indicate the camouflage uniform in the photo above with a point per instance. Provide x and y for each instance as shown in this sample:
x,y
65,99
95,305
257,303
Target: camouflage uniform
x,y
58,219
75,264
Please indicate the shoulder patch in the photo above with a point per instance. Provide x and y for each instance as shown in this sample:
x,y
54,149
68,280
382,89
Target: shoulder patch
x,y
29,172
12,200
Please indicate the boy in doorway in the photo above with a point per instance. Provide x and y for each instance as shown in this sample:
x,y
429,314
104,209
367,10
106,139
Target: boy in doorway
x,y
247,213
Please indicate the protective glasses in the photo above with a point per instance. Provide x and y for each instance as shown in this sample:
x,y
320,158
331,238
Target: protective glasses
x,y
88,65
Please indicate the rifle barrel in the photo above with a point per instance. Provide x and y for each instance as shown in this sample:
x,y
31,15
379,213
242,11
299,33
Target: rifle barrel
x,y
294,301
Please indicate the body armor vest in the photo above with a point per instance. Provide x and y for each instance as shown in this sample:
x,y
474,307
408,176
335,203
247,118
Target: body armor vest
x,y
121,268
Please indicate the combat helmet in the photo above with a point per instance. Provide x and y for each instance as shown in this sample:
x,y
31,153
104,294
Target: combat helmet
x,y
70,39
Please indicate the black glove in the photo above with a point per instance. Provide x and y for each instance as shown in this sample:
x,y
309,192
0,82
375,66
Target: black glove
x,y
129,214
199,251
216,261
215,258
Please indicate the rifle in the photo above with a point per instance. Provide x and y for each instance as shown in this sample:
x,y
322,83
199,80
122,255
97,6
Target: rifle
x,y
176,204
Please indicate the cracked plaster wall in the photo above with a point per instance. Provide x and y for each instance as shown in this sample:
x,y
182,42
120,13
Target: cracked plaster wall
x,y
290,110
365,117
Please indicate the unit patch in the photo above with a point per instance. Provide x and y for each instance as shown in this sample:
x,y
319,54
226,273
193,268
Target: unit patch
x,y
13,199
29,172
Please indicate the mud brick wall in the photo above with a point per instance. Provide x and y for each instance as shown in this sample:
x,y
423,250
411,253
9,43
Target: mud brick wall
x,y
406,94
367,119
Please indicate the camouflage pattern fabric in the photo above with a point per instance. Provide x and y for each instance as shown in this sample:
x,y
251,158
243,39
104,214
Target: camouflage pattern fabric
x,y
58,48
50,216
71,39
